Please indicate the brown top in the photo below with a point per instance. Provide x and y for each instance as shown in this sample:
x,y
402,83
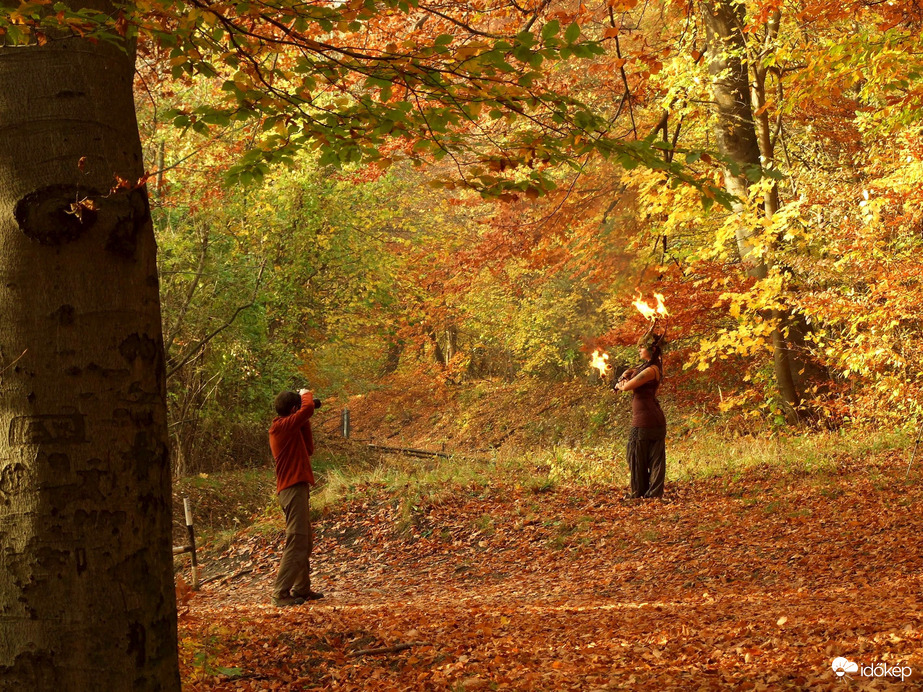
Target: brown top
x,y
645,409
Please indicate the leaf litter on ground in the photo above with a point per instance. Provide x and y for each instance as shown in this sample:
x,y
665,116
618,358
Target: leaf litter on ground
x,y
756,582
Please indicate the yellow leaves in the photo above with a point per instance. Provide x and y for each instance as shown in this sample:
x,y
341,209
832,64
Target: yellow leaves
x,y
726,404
470,49
751,335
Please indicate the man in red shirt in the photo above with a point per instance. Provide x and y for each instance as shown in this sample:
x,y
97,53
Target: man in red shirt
x,y
292,446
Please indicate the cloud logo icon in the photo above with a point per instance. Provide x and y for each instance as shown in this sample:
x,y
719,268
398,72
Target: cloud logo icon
x,y
841,666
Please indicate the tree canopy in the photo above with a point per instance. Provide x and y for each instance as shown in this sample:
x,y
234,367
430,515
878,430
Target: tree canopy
x,y
583,212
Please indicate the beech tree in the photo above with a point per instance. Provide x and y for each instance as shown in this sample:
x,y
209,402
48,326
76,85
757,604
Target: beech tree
x,y
747,144
86,583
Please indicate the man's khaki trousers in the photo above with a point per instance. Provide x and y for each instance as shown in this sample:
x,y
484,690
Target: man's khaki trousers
x,y
295,566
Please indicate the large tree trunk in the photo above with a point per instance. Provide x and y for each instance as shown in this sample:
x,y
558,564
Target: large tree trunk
x,y
86,584
737,140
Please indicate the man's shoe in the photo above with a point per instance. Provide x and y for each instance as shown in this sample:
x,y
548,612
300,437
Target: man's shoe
x,y
307,595
286,601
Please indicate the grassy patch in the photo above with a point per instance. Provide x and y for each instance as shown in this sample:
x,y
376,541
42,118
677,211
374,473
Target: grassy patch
x,y
221,502
414,483
225,502
601,465
711,454
484,524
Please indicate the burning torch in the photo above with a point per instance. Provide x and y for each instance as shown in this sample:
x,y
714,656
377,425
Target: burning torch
x,y
600,359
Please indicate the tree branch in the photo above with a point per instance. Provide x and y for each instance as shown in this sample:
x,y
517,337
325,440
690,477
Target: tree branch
x,y
190,292
195,349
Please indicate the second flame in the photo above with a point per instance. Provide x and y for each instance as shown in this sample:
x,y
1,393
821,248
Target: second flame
x,y
600,362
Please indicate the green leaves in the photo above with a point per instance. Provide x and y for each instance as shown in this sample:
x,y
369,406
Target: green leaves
x,y
442,42
551,29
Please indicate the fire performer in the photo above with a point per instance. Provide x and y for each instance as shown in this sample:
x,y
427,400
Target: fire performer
x,y
646,451
292,445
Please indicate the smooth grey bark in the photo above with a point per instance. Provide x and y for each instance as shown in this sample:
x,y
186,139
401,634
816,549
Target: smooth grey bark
x,y
734,126
736,133
86,585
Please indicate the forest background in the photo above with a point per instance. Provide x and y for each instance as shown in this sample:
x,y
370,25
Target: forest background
x,y
395,288
433,213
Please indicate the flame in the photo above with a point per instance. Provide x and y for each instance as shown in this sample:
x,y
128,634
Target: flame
x,y
598,361
645,309
661,308
651,313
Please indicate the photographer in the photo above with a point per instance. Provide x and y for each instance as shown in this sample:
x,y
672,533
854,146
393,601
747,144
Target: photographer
x,y
292,445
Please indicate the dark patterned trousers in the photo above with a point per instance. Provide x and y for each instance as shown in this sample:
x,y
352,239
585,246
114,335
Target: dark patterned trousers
x,y
647,461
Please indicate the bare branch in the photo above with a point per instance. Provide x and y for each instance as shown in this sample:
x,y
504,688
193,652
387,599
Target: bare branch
x,y
201,344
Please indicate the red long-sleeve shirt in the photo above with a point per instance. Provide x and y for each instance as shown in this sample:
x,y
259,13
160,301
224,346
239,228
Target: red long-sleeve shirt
x,y
292,445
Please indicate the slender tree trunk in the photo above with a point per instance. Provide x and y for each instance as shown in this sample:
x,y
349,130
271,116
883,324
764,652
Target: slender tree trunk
x,y
805,370
451,342
737,140
438,353
86,584
758,102
392,358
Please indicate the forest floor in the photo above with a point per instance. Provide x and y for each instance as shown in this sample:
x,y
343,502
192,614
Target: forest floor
x,y
751,580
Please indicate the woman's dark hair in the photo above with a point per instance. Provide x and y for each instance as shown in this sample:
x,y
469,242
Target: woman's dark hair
x,y
653,342
286,401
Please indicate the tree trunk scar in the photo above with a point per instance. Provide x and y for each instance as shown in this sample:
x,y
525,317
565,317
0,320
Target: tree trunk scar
x,y
60,464
13,477
57,214
137,642
138,346
64,315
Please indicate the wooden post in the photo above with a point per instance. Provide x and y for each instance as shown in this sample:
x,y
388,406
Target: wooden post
x,y
192,549
346,429
914,454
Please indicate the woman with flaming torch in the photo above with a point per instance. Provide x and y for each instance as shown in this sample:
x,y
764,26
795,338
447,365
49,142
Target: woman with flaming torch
x,y
646,451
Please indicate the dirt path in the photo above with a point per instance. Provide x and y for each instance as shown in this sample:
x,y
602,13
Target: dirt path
x,y
758,585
